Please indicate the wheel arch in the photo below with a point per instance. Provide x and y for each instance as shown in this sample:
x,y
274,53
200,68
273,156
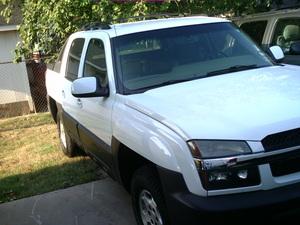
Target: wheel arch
x,y
52,107
157,143
126,162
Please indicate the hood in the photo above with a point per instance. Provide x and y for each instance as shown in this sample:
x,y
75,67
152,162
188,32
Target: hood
x,y
247,105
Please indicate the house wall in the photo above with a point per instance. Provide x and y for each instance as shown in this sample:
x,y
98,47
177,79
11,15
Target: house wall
x,y
15,97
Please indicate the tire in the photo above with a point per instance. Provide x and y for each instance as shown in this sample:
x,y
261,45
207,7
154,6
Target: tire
x,y
67,145
147,198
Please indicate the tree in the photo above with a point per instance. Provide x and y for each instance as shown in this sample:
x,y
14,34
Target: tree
x,y
46,24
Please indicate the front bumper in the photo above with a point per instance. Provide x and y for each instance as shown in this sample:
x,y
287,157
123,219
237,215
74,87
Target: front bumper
x,y
187,208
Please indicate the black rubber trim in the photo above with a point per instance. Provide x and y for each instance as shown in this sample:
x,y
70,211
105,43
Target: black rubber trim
x,y
187,208
115,147
96,148
52,107
70,125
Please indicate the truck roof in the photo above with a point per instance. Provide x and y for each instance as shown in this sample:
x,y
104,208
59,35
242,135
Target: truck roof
x,y
156,24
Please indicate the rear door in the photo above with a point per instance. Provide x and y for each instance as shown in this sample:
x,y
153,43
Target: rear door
x,y
95,117
71,104
55,78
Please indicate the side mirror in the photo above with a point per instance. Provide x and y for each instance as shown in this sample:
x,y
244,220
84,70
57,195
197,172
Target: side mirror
x,y
86,87
277,53
295,48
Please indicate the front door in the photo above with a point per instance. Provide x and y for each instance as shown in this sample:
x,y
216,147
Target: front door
x,y
95,129
71,104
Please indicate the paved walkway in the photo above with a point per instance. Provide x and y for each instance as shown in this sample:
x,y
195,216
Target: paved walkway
x,y
101,202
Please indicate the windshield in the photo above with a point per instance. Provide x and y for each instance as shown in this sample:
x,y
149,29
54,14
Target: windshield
x,y
156,58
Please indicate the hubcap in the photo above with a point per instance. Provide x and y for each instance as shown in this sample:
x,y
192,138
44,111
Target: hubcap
x,y
148,209
62,134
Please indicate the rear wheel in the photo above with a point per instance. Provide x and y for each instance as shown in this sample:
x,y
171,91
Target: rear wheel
x,y
147,199
68,146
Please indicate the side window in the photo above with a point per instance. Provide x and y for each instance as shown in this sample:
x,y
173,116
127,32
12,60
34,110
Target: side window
x,y
255,30
287,31
74,59
57,64
94,63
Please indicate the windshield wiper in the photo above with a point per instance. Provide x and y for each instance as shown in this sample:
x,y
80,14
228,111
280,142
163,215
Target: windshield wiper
x,y
169,82
231,69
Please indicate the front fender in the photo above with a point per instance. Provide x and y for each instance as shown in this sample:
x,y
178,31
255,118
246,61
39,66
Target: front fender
x,y
155,142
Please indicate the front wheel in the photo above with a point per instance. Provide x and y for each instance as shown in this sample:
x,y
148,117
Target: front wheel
x,y
147,199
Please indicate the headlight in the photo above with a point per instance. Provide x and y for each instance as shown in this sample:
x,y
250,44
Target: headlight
x,y
205,149
213,167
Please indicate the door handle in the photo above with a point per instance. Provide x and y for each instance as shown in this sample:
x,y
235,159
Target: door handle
x,y
63,93
79,102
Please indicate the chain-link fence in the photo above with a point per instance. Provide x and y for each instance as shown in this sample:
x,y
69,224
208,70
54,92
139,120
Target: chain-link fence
x,y
22,88
36,74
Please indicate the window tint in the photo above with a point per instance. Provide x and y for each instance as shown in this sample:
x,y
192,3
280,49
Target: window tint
x,y
94,63
255,30
287,31
57,64
74,59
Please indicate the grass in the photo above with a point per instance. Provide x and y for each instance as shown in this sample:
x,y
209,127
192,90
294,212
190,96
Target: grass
x,y
31,161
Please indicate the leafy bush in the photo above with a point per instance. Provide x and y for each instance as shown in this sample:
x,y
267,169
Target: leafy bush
x,y
46,24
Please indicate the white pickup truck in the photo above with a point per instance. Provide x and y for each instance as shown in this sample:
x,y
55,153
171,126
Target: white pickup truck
x,y
187,113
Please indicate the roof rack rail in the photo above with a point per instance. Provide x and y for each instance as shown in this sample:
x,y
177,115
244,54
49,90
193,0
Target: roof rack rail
x,y
96,26
150,17
106,26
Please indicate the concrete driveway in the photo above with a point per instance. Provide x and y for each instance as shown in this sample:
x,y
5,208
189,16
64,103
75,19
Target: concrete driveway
x,y
101,202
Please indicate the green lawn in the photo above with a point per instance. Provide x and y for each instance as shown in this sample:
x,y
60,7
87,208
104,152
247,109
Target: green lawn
x,y
31,161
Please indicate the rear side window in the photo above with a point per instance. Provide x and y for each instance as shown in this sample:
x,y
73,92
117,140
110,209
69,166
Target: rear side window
x,y
255,30
74,59
57,64
95,63
287,31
